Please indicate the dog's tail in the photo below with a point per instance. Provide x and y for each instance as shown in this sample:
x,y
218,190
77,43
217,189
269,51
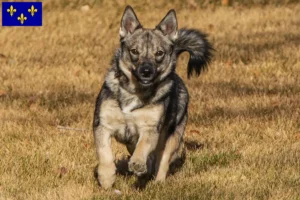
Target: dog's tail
x,y
197,45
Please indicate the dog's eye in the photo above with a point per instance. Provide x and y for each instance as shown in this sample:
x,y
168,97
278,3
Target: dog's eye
x,y
134,52
159,53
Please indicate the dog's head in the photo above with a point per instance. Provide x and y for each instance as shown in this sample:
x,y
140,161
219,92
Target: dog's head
x,y
147,54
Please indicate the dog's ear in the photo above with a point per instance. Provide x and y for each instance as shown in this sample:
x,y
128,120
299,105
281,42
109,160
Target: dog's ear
x,y
168,25
129,22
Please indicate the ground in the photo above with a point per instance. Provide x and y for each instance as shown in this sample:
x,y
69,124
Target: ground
x,y
243,132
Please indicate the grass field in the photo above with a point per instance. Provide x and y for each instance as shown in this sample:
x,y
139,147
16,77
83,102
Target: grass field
x,y
244,125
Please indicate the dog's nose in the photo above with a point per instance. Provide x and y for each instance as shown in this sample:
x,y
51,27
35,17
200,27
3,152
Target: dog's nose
x,y
146,72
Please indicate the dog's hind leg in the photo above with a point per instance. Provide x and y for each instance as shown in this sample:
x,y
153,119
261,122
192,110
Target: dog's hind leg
x,y
171,151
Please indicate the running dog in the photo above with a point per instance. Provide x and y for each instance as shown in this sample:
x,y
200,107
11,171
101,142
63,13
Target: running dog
x,y
143,102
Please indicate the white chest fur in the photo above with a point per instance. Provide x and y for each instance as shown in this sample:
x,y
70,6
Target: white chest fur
x,y
112,117
130,107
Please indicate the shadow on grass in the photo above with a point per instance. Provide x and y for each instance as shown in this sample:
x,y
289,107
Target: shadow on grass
x,y
226,90
141,182
51,100
247,51
220,159
243,89
218,113
249,113
65,97
235,89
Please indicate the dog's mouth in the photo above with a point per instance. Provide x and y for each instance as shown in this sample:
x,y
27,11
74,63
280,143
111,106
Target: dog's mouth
x,y
146,83
145,75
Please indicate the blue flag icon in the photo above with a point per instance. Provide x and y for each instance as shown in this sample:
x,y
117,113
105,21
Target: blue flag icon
x,y
22,14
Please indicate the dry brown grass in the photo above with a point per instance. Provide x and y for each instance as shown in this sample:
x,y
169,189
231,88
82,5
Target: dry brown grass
x,y
244,111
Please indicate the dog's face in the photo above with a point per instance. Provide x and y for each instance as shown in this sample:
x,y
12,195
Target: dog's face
x,y
147,54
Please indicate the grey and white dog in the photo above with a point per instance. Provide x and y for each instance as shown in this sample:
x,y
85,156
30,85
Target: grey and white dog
x,y
143,102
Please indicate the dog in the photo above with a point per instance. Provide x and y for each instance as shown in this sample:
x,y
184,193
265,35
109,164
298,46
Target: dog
x,y
143,102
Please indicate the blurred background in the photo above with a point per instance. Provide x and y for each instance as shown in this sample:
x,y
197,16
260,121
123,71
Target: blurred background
x,y
243,134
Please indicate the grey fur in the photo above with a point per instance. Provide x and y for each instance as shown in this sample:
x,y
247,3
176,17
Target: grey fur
x,y
149,117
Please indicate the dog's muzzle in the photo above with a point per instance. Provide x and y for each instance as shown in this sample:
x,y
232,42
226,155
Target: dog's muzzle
x,y
146,73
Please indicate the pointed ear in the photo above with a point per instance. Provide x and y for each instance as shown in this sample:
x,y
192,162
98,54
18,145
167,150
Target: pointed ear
x,y
129,22
168,25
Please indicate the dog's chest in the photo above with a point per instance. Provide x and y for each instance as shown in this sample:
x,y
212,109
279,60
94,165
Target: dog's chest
x,y
129,120
129,106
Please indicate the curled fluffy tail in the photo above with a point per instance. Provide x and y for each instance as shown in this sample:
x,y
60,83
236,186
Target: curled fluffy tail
x,y
196,44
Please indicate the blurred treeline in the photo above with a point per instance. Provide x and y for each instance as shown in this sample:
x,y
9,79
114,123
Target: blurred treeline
x,y
177,4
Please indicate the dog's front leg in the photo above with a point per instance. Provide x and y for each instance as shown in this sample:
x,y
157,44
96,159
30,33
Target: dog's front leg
x,y
106,169
146,144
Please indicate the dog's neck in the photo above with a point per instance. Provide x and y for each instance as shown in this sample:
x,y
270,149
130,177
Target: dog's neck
x,y
130,96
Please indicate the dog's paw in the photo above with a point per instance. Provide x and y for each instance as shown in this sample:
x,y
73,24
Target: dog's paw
x,y
160,178
106,176
138,167
107,183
